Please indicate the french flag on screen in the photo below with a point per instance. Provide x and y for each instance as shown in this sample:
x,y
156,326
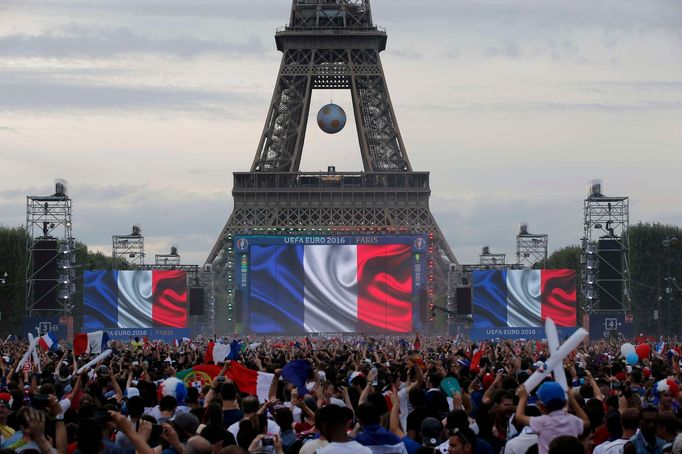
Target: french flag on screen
x,y
134,299
523,298
330,288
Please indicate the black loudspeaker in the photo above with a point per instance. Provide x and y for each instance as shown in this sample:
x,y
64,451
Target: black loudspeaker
x,y
196,301
44,256
610,276
610,252
610,295
464,300
238,305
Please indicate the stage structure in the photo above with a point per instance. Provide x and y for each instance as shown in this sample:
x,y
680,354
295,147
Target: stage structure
x,y
605,252
330,44
128,250
531,248
50,249
487,258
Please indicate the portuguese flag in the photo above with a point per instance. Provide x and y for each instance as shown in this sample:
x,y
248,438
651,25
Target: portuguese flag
x,y
247,380
200,375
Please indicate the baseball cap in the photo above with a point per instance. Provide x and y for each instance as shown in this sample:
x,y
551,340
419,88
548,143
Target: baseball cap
x,y
550,391
431,432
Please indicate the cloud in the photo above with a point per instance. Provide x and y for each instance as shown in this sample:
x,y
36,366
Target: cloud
x,y
452,54
94,43
35,92
407,54
535,15
549,106
511,50
168,215
470,223
265,10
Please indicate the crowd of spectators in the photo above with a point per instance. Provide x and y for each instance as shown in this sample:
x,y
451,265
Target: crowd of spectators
x,y
362,395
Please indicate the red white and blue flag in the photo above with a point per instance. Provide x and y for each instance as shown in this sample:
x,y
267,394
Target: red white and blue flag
x,y
331,288
49,341
93,343
133,299
524,298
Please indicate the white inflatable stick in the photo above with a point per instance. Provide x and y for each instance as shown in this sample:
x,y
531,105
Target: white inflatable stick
x,y
31,347
556,358
553,344
36,358
95,360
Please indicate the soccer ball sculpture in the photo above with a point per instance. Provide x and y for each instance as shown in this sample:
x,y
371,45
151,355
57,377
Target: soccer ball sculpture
x,y
331,118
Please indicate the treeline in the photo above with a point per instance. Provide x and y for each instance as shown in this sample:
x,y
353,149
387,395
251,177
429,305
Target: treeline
x,y
13,261
648,270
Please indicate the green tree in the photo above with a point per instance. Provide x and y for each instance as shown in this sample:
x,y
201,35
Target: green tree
x,y
13,290
13,261
566,257
649,263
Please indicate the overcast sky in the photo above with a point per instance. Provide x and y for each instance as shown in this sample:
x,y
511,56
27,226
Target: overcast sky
x,y
146,107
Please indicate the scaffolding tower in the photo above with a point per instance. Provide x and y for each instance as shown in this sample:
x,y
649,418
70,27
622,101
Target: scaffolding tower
x,y
531,248
128,250
50,250
168,260
487,258
605,257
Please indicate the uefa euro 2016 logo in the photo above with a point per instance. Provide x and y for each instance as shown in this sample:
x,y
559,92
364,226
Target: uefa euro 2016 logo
x,y
242,244
419,243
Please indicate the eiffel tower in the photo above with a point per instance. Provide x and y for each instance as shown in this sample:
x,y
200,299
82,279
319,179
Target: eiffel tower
x,y
329,44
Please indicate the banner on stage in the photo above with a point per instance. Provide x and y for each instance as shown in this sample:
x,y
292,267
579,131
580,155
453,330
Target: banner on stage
x,y
530,332
167,335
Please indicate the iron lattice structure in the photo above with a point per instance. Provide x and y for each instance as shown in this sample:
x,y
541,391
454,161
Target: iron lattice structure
x,y
531,250
606,221
330,44
50,250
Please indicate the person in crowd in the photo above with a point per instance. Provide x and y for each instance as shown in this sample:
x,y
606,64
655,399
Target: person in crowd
x,y
381,394
566,444
554,421
333,428
372,434
461,441
645,440
5,430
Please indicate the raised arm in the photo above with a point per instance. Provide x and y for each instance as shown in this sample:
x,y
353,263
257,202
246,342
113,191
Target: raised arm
x,y
578,410
520,416
272,392
395,415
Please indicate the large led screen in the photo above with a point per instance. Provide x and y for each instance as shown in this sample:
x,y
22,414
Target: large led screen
x,y
134,299
330,284
523,298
